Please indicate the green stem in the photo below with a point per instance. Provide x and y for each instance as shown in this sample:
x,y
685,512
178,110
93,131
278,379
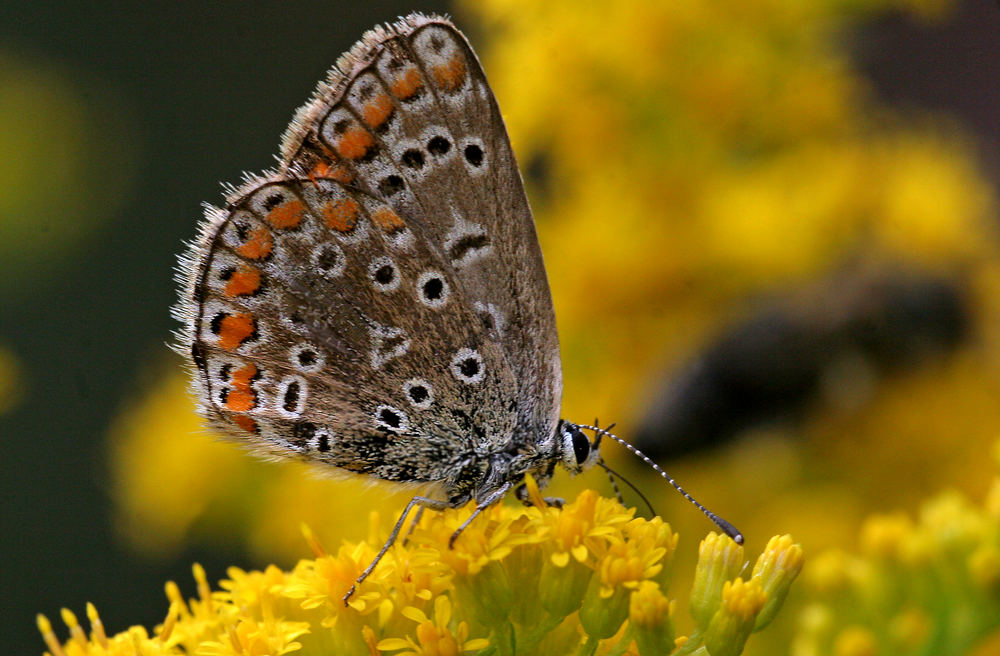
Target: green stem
x,y
530,639
588,648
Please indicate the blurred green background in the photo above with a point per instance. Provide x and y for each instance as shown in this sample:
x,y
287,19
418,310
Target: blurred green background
x,y
787,213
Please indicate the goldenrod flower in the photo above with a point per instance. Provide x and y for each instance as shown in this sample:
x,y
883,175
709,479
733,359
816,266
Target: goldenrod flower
x,y
650,615
774,571
500,590
719,561
433,636
930,585
732,623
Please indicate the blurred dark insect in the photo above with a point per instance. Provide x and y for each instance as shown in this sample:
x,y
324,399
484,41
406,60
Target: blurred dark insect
x,y
828,343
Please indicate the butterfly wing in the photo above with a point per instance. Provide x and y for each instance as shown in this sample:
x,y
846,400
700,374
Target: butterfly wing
x,y
408,115
380,303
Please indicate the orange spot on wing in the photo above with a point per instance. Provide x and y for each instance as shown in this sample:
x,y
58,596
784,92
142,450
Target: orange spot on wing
x,y
241,396
258,245
450,76
354,143
287,215
244,282
407,84
333,171
234,328
321,170
246,423
341,215
387,220
377,111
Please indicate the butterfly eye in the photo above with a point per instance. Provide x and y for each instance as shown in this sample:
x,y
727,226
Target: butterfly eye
x,y
581,446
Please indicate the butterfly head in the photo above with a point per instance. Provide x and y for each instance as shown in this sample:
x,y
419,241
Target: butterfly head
x,y
575,450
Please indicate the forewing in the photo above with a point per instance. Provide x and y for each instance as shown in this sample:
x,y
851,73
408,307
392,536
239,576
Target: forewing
x,y
408,115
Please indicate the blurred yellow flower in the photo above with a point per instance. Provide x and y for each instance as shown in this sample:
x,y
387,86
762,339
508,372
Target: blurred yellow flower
x,y
924,586
54,127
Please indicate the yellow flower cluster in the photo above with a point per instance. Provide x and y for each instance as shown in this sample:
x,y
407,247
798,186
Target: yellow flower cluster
x,y
924,586
589,577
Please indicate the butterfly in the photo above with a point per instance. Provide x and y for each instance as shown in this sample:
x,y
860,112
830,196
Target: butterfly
x,y
378,303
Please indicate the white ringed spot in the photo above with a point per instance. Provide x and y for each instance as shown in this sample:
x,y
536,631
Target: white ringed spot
x,y
292,393
384,274
432,289
391,419
419,393
467,366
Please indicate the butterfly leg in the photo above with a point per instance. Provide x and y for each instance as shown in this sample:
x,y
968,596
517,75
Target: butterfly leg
x,y
420,503
413,524
480,507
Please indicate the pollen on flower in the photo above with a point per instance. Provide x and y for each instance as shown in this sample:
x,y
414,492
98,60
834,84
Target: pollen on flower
x,y
626,564
648,606
743,599
949,551
45,628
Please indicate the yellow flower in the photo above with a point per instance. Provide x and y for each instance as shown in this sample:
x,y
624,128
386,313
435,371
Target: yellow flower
x,y
434,637
580,530
774,571
884,535
719,561
855,641
254,638
925,586
733,622
491,537
650,614
499,590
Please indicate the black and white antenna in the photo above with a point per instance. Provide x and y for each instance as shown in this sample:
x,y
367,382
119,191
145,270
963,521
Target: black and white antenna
x,y
725,526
